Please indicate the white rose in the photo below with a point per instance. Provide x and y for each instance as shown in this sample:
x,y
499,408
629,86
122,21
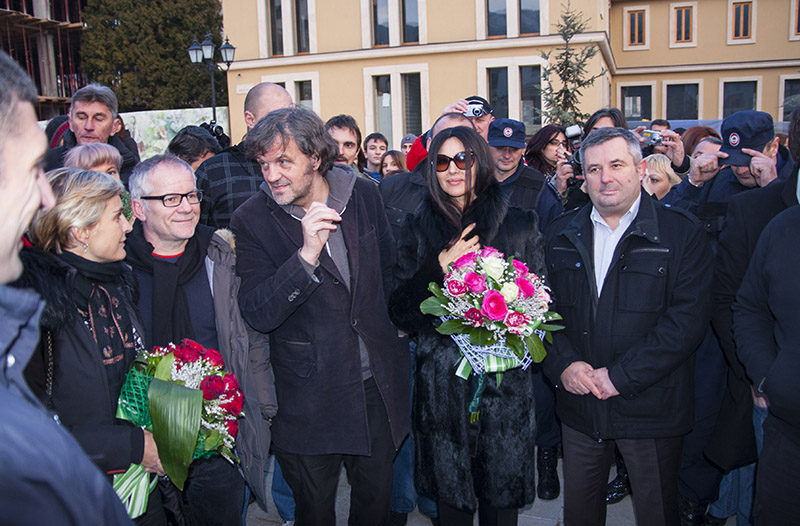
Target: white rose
x,y
494,267
510,292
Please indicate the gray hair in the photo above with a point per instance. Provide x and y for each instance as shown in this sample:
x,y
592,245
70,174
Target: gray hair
x,y
96,93
139,182
603,135
15,87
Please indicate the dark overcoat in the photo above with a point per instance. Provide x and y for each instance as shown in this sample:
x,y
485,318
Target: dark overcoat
x,y
456,461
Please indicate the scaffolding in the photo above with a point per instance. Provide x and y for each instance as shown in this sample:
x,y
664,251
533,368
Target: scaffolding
x,y
44,36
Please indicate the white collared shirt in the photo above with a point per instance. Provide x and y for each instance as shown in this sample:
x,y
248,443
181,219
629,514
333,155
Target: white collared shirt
x,y
606,240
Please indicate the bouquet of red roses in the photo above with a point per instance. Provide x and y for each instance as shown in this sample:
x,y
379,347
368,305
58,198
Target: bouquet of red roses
x,y
182,394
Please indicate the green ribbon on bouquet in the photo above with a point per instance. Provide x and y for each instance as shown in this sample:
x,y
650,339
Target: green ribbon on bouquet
x,y
133,488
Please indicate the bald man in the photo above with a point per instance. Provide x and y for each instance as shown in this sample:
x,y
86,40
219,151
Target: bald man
x,y
229,178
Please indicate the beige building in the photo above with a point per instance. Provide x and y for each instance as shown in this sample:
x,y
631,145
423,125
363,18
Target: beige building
x,y
394,64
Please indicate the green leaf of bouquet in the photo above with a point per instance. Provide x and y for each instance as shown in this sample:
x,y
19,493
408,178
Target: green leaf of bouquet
x,y
433,305
549,337
451,327
550,327
212,440
436,290
175,411
481,336
552,316
514,343
536,348
164,368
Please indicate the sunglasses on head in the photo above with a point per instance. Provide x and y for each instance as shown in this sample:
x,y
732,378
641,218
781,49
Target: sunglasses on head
x,y
463,161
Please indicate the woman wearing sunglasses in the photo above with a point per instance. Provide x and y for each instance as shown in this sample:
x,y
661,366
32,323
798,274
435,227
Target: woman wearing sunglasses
x,y
487,465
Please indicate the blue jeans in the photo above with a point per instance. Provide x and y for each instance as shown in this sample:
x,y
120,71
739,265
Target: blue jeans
x,y
282,494
738,487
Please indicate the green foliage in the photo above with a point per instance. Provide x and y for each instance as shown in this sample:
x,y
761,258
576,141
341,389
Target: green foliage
x,y
561,95
139,50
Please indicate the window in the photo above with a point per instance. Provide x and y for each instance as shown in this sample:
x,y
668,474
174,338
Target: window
x,y
738,96
529,17
275,27
380,23
742,17
304,95
410,22
383,105
412,104
636,34
791,97
794,21
637,102
683,24
496,16
498,91
530,80
301,21
682,101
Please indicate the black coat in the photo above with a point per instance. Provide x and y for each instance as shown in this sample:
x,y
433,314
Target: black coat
x,y
314,323
80,390
733,443
457,461
644,327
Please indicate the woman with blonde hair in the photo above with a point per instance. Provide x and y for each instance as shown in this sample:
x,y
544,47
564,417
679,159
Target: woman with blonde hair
x,y
660,176
103,158
91,331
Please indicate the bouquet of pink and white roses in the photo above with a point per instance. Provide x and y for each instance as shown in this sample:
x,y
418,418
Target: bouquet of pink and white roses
x,y
496,310
182,394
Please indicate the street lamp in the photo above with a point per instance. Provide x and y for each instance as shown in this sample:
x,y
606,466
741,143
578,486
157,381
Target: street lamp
x,y
203,54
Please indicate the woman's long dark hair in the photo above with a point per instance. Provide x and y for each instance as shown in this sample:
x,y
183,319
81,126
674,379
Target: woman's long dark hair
x,y
537,144
477,177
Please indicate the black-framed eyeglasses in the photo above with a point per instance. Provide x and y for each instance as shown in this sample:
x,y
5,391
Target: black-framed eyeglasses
x,y
463,161
174,200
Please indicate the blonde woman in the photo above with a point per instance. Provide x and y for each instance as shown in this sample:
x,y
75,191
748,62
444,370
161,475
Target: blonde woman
x,y
660,176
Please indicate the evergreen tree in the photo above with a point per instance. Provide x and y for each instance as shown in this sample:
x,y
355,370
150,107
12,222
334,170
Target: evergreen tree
x,y
138,48
561,99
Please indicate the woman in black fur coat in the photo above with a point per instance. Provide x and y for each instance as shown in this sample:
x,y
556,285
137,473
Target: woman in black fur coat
x,y
91,330
487,465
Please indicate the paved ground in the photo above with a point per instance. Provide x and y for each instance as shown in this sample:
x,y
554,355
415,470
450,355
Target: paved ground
x,y
540,513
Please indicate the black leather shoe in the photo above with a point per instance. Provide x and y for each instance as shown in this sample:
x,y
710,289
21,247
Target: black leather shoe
x,y
397,519
546,463
618,489
691,513
714,521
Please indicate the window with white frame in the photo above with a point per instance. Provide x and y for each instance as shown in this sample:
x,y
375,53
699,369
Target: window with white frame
x,y
275,14
304,87
683,24
739,95
286,27
741,22
530,101
682,100
513,87
409,21
790,96
396,101
636,34
529,22
496,18
393,23
511,18
637,102
303,37
794,20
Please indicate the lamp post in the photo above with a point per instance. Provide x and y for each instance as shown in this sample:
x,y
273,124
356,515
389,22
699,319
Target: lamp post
x,y
203,53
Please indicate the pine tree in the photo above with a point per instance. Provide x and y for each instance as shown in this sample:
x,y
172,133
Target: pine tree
x,y
561,103
138,48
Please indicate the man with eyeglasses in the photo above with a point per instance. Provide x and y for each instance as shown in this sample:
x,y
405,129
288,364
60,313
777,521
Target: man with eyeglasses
x,y
187,289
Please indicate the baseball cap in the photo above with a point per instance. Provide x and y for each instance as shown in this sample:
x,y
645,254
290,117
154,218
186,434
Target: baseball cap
x,y
745,129
507,132
479,103
408,139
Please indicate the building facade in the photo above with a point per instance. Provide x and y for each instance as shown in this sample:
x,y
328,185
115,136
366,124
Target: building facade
x,y
394,64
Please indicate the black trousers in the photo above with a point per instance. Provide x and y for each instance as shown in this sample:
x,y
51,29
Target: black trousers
x,y
488,515
314,478
777,496
652,468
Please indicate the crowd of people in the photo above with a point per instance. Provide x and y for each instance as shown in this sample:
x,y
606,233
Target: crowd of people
x,y
303,253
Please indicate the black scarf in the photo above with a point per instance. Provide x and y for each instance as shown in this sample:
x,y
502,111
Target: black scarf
x,y
171,319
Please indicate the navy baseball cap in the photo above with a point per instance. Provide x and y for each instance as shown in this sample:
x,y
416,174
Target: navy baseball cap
x,y
745,129
507,132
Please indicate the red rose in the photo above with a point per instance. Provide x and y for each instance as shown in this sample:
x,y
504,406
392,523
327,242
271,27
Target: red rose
x,y
214,358
231,383
467,260
235,404
233,427
494,306
473,316
456,287
516,322
475,282
186,354
526,288
212,386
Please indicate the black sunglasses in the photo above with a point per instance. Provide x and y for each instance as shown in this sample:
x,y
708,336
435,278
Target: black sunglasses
x,y
463,161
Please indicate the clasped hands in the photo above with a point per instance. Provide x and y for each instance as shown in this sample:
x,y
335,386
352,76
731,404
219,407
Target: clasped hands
x,y
580,378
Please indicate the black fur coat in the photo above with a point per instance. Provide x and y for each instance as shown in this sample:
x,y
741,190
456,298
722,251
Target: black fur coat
x,y
458,462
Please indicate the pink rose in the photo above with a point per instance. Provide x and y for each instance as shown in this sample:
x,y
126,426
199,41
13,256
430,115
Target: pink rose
x,y
526,288
491,251
520,267
516,322
456,287
234,405
467,260
473,316
233,427
212,386
494,306
475,282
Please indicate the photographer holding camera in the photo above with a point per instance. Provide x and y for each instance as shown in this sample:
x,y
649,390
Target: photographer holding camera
x,y
659,138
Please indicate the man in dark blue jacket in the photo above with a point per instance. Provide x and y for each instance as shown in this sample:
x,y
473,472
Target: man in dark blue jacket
x,y
630,278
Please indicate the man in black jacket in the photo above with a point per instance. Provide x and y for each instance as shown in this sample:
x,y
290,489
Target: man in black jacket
x,y
630,278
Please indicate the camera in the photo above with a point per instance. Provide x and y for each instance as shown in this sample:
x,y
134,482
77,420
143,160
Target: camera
x,y
652,138
218,132
475,109
574,135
